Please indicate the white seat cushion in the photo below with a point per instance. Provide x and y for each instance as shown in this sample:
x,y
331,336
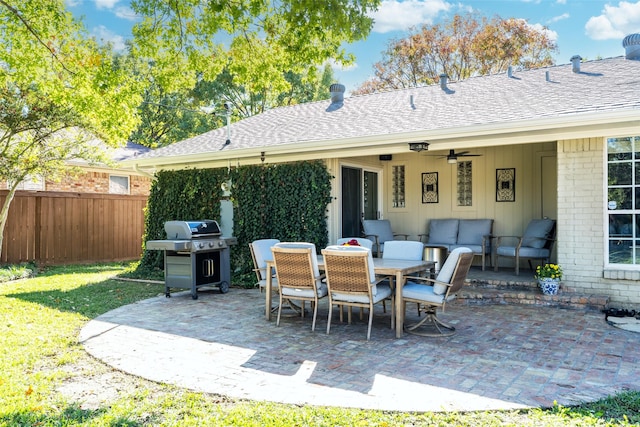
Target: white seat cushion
x,y
423,293
403,249
446,272
382,291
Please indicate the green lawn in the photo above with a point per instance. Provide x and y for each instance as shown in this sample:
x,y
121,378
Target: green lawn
x,y
41,360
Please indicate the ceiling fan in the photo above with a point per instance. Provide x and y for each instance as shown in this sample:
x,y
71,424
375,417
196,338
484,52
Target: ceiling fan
x,y
452,157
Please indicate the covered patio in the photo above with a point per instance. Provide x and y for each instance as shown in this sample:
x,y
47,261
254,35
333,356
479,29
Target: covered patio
x,y
503,356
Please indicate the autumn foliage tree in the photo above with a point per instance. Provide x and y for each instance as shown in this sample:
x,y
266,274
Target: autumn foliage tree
x,y
466,46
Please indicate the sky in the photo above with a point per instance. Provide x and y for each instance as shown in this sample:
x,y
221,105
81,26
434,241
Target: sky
x,y
589,28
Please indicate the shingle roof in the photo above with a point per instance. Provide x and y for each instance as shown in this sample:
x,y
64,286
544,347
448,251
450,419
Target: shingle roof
x,y
606,85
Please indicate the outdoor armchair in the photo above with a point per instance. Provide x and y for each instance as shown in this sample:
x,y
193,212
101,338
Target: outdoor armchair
x,y
536,243
379,231
436,293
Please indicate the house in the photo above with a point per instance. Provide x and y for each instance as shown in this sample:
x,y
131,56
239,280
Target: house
x,y
94,216
555,142
97,179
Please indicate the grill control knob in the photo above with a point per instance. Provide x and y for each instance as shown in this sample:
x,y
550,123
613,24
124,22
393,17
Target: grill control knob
x,y
210,244
200,245
220,243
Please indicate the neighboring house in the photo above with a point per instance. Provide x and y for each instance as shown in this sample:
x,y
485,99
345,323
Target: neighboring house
x,y
564,138
97,179
96,215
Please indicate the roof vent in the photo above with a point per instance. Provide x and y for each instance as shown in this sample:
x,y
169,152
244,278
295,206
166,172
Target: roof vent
x,y
509,71
443,81
575,61
337,93
631,45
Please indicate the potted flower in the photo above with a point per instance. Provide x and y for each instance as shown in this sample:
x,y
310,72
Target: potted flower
x,y
549,276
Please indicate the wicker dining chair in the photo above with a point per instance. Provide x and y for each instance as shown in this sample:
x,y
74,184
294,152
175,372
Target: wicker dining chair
x,y
299,278
352,281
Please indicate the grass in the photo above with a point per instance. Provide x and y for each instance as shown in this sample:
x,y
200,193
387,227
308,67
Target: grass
x,y
40,318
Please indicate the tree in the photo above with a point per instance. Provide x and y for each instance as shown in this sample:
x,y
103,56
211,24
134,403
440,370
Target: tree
x,y
60,92
467,45
257,42
57,78
167,118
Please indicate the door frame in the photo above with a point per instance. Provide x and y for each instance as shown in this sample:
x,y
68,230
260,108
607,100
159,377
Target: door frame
x,y
379,170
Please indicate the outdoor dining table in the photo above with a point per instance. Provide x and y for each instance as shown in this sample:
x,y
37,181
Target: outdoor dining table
x,y
396,269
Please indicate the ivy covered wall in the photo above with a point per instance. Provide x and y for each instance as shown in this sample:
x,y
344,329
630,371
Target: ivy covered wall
x,y
283,201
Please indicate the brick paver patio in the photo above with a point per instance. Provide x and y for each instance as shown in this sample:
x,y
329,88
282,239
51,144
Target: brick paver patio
x,y
503,356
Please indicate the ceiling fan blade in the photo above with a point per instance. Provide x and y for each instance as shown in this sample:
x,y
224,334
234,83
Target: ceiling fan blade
x,y
469,155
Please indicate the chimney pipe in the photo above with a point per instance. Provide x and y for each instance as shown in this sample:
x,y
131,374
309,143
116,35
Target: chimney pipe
x,y
443,81
575,61
337,93
510,71
631,45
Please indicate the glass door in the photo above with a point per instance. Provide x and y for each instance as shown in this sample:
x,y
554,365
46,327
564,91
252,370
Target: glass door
x,y
359,198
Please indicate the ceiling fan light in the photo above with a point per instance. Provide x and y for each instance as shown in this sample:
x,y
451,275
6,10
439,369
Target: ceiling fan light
x,y
452,160
418,146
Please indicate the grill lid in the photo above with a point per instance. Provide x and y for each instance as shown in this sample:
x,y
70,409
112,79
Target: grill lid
x,y
191,229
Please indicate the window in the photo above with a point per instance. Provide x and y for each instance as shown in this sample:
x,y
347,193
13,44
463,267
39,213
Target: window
x,y
623,200
398,186
465,183
33,183
118,184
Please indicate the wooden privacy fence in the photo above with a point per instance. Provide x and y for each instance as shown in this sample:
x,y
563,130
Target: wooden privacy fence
x,y
68,228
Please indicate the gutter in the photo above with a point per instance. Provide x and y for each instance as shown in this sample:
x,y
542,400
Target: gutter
x,y
501,133
136,168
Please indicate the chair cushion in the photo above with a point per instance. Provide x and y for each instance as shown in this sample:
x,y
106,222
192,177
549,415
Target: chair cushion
x,y
446,272
525,252
537,232
443,231
476,249
403,249
471,231
274,283
321,289
383,291
262,253
379,227
424,292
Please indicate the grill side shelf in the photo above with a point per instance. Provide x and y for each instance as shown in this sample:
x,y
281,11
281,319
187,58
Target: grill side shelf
x,y
169,245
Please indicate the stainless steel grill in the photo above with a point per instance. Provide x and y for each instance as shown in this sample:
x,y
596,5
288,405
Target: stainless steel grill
x,y
195,256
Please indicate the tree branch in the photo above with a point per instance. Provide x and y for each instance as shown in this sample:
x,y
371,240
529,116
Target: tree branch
x,y
29,28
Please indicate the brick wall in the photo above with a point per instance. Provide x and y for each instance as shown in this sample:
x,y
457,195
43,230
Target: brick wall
x,y
96,183
581,225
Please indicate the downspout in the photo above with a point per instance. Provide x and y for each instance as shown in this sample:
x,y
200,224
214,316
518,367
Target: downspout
x,y
143,173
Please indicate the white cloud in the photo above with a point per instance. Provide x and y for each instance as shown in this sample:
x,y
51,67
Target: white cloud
x,y
125,12
552,35
561,2
104,35
615,22
558,18
105,4
395,15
